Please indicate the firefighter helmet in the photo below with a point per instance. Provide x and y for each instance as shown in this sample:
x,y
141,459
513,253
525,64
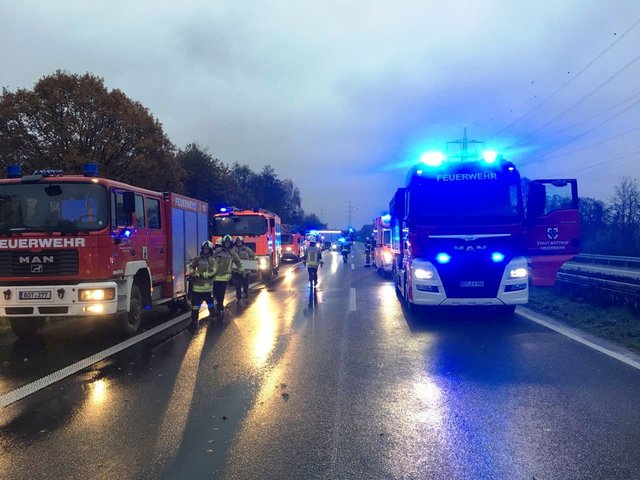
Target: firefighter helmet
x,y
207,244
240,238
227,238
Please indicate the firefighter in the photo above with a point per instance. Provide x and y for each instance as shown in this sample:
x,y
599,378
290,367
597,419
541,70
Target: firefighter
x,y
313,259
202,270
226,256
241,280
367,252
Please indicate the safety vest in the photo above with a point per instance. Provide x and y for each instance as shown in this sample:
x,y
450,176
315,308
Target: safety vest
x,y
312,257
225,259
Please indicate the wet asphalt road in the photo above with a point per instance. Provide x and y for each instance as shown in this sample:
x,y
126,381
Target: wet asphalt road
x,y
343,384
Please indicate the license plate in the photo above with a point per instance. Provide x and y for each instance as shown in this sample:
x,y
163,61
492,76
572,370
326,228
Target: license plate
x,y
476,283
35,295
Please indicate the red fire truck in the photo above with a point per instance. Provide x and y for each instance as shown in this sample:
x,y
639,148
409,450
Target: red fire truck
x,y
293,247
85,246
261,230
461,236
382,252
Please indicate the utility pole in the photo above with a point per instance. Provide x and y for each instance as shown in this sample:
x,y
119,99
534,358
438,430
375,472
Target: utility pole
x,y
350,211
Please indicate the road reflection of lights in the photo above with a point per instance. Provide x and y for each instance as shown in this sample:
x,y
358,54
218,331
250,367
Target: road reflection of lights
x,y
266,309
174,420
334,264
98,391
431,396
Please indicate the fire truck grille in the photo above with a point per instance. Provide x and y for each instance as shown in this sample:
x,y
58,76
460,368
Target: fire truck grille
x,y
46,262
474,278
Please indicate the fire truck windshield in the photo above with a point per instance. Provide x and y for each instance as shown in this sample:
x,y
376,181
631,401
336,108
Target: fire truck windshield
x,y
49,207
287,239
239,225
466,202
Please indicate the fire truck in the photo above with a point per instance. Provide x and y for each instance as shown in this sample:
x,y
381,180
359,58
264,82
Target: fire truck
x,y
84,246
382,252
461,236
293,245
261,230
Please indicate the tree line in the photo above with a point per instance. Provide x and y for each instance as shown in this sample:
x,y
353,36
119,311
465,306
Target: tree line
x,y
69,119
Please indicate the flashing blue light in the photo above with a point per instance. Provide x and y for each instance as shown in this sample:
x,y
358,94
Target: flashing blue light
x,y
90,169
342,240
350,230
433,159
386,218
223,209
511,169
497,257
443,258
490,156
14,171
419,172
126,232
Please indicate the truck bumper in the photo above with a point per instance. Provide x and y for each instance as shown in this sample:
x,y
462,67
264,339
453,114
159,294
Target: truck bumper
x,y
55,301
510,292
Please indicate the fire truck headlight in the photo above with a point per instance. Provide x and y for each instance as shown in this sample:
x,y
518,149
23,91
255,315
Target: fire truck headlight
x,y
423,274
263,263
387,257
288,249
518,273
97,308
88,295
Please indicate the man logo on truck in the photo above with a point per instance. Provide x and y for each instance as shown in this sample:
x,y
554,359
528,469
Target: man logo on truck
x,y
552,233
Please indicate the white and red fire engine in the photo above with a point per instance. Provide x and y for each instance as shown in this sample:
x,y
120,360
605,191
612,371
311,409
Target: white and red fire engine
x,y
85,246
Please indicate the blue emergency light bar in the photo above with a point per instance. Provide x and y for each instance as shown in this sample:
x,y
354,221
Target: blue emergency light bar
x,y
90,169
14,171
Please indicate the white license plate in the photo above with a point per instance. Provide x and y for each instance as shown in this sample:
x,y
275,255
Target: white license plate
x,y
476,283
35,295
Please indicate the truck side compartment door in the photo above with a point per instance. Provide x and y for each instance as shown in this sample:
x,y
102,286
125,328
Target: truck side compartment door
x,y
552,227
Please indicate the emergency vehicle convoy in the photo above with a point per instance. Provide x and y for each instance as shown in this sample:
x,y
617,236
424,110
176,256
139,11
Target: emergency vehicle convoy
x,y
261,230
86,246
382,252
460,235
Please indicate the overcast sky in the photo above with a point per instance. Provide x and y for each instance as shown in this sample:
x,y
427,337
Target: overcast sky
x,y
342,97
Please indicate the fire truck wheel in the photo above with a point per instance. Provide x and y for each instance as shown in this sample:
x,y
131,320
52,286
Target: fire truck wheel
x,y
130,322
26,327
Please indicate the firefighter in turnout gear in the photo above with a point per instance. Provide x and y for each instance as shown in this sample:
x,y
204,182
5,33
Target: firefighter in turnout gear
x,y
202,270
225,256
313,259
241,280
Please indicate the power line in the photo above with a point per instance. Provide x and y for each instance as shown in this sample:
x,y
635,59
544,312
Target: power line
x,y
598,163
571,107
568,82
608,139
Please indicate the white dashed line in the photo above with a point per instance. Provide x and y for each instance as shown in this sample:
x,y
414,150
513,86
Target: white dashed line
x,y
353,266
352,300
602,346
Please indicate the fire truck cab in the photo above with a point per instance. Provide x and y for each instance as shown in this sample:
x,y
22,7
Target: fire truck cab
x,y
460,234
293,246
262,231
86,246
382,252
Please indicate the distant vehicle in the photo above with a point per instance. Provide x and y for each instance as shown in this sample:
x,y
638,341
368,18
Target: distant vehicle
x,y
85,246
293,246
261,230
460,235
382,251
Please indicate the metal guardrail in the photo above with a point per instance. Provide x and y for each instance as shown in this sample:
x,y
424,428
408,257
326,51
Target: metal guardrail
x,y
615,290
612,260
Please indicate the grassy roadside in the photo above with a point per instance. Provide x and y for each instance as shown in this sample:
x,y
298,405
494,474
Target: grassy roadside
x,y
615,323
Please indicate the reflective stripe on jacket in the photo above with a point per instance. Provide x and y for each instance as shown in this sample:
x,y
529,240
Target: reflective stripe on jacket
x,y
313,257
201,273
225,259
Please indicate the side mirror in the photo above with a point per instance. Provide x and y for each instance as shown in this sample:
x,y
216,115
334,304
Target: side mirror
x,y
272,222
536,200
128,202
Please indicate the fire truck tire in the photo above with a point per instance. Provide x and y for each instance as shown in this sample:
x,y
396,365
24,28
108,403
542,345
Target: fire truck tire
x,y
130,321
26,327
506,310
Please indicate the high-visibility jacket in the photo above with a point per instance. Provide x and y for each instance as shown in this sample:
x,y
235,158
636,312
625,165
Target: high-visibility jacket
x,y
245,253
313,257
202,270
226,258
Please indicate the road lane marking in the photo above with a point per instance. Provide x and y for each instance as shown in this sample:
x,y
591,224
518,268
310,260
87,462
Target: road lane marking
x,y
353,266
44,382
352,300
622,355
48,380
